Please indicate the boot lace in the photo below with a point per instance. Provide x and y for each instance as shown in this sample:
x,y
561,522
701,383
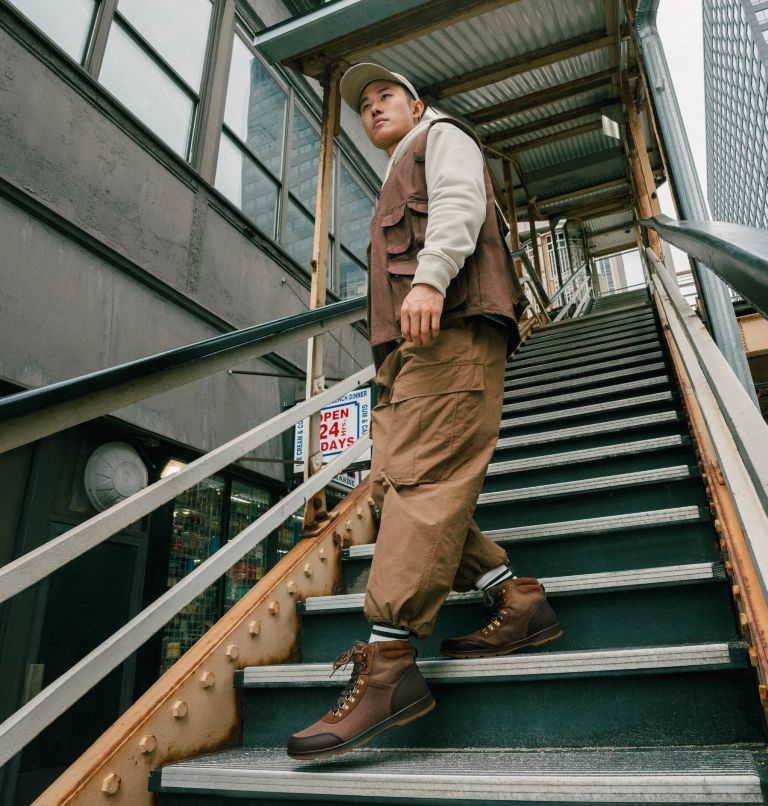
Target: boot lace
x,y
359,660
493,600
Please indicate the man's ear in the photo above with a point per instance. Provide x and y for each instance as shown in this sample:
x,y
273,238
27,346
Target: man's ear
x,y
418,109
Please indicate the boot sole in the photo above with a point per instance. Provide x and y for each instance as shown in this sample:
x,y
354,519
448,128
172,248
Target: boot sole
x,y
537,639
408,714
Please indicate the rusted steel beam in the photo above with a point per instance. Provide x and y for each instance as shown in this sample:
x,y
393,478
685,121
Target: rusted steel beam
x,y
316,509
577,194
519,64
263,627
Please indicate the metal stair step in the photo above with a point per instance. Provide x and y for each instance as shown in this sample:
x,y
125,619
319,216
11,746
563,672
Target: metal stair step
x,y
591,319
627,361
542,364
587,455
602,483
570,413
580,329
554,586
587,380
618,775
601,525
532,666
585,394
532,347
582,431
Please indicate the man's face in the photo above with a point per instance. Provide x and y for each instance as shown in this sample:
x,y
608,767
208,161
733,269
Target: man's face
x,y
388,113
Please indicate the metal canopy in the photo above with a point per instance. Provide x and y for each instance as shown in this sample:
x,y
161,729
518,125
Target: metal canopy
x,y
533,77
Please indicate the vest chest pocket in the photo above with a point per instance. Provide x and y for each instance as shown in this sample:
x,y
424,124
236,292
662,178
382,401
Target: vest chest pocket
x,y
404,230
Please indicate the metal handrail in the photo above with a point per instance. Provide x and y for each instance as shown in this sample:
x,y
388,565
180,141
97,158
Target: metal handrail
x,y
736,254
533,276
52,555
568,282
31,415
738,431
37,714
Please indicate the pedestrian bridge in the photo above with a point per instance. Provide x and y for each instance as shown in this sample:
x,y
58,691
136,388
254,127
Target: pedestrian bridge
x,y
631,471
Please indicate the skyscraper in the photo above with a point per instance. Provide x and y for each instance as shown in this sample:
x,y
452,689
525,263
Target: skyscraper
x,y
736,96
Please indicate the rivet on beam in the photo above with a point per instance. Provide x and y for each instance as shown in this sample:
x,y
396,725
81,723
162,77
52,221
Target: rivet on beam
x,y
322,555
179,709
274,608
736,592
233,651
729,566
359,512
752,652
371,504
348,526
111,784
308,569
254,628
207,679
743,621
723,544
762,690
291,587
147,744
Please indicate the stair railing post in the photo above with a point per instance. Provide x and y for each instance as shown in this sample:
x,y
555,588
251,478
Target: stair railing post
x,y
558,262
316,508
514,231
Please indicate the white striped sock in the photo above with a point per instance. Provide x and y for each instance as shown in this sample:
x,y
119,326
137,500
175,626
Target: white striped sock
x,y
383,632
494,577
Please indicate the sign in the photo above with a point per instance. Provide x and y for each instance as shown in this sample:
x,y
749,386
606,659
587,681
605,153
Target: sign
x,y
342,423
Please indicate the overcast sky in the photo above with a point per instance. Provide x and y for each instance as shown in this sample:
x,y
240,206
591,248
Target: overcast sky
x,y
680,28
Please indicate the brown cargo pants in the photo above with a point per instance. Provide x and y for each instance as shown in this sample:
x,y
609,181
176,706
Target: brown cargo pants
x,y
434,430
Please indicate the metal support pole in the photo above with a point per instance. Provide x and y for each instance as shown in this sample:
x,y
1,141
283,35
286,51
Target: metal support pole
x,y
535,243
569,248
558,262
316,508
725,329
514,232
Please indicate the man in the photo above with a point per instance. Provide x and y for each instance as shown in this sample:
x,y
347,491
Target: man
x,y
443,305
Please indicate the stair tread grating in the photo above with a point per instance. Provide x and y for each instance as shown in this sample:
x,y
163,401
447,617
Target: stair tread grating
x,y
616,481
595,408
532,391
574,432
581,357
579,583
587,455
535,665
612,775
532,347
585,394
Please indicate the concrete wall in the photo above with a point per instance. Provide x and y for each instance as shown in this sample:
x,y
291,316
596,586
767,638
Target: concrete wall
x,y
67,308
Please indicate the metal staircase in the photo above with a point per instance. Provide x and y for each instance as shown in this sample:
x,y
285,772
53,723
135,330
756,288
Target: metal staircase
x,y
649,696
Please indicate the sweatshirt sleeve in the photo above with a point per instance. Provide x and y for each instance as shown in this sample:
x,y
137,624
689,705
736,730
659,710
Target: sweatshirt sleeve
x,y
456,193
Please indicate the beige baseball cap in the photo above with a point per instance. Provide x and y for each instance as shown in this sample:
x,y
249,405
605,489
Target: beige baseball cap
x,y
359,76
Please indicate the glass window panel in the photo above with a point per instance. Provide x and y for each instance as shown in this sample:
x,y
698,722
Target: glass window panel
x,y
177,29
305,157
147,90
67,22
196,535
245,184
247,504
299,230
355,215
256,106
353,278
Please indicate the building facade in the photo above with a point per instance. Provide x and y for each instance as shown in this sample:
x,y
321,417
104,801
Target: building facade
x,y
736,96
157,186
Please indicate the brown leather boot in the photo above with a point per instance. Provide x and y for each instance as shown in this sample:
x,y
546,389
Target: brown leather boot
x,y
519,616
386,689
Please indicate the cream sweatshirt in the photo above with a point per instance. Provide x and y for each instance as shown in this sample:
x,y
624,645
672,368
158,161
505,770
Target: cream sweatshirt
x,y
456,194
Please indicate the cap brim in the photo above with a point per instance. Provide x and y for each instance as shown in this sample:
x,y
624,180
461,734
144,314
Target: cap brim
x,y
358,77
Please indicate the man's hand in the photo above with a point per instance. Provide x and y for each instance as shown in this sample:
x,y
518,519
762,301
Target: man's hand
x,y
420,314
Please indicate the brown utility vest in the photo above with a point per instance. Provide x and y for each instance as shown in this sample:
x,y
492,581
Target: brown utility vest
x,y
486,284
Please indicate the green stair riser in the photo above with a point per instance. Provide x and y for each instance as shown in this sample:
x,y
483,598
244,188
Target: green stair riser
x,y
594,504
610,551
679,614
684,708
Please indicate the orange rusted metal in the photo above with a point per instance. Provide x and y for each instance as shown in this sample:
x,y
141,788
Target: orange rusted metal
x,y
193,708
